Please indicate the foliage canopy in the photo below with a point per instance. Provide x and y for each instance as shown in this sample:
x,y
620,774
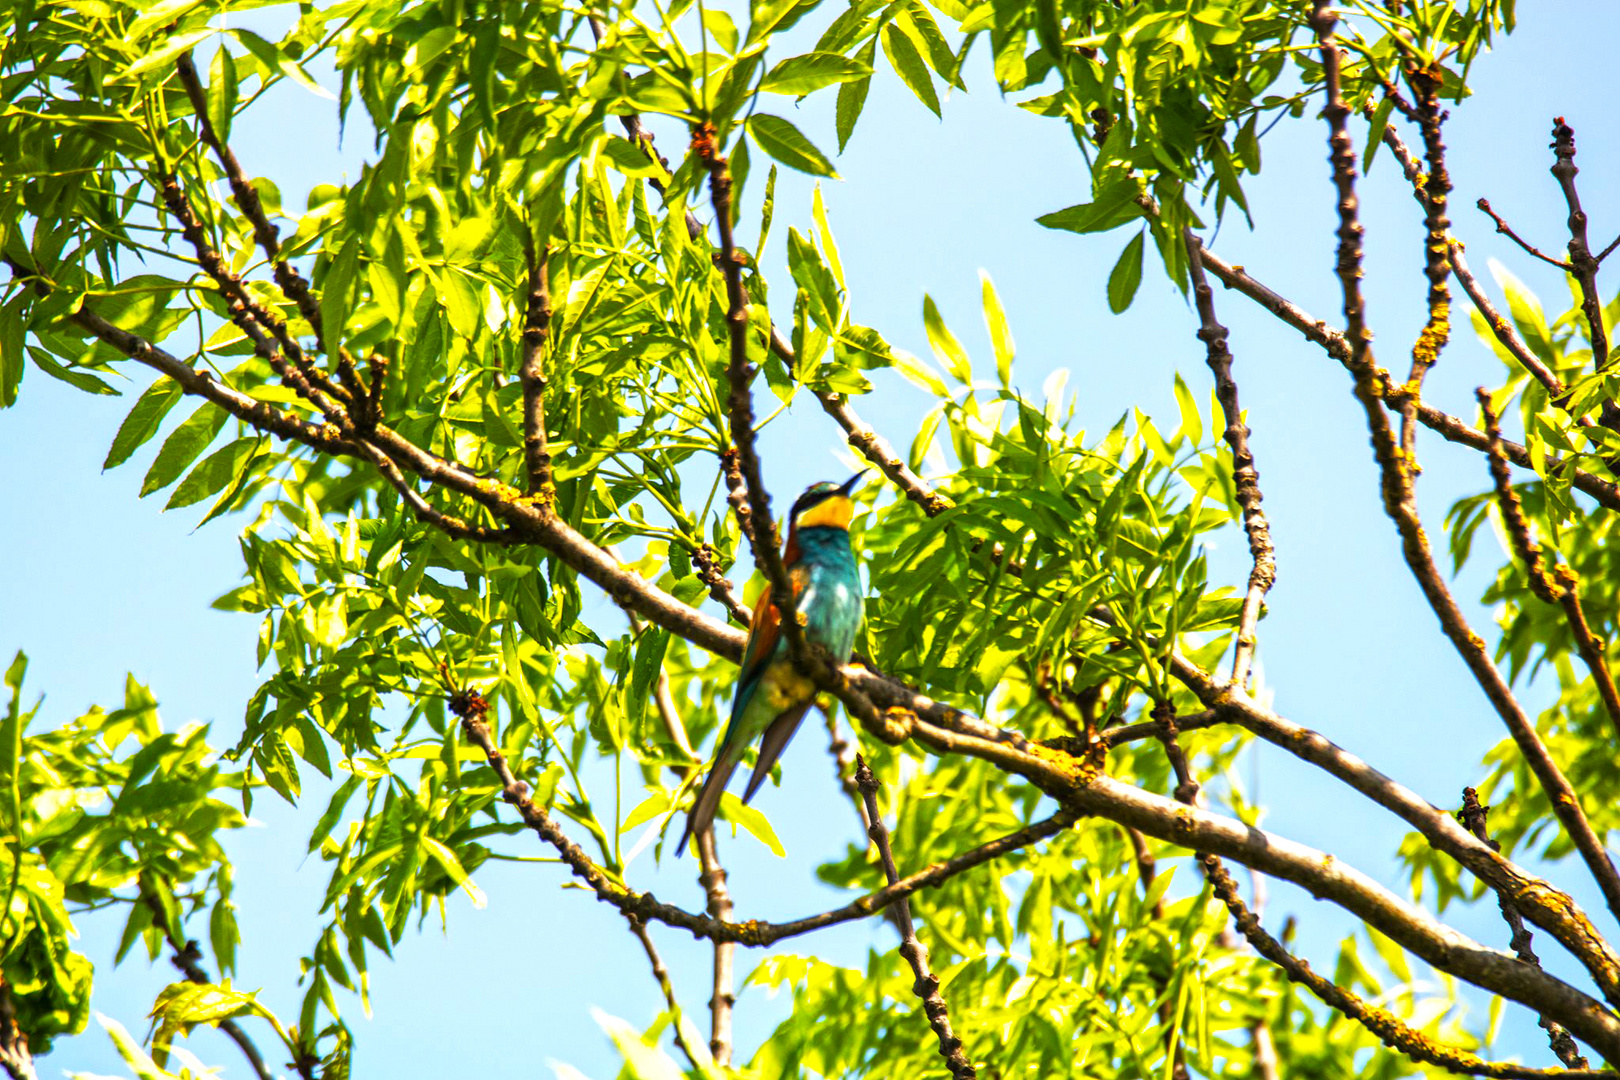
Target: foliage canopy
x,y
508,370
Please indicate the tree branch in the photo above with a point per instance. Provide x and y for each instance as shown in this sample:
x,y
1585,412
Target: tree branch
x,y
1581,263
1245,477
1396,469
874,448
1507,230
15,1057
1444,424
1087,793
1554,911
724,996
1436,251
1472,815
1564,592
536,325
292,285
915,952
186,958
661,974
1380,1022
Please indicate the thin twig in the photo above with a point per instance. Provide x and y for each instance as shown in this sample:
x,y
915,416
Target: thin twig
x,y
1444,424
536,326
1245,477
1530,249
1473,816
874,448
292,284
1500,327
704,558
187,957
661,974
843,755
249,315
915,952
1581,263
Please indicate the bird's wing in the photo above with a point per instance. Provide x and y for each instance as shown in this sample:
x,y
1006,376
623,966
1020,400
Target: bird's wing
x,y
764,635
777,736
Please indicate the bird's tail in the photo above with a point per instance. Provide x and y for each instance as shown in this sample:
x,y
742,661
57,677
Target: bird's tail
x,y
708,800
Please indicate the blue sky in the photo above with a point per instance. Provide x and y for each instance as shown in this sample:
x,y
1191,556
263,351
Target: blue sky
x,y
102,583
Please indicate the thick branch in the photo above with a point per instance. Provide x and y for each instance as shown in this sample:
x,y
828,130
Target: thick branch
x,y
1245,477
915,952
1553,911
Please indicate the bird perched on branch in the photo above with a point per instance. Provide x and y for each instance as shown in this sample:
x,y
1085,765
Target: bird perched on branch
x,y
772,695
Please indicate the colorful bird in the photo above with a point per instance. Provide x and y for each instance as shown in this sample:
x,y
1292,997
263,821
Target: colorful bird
x,y
772,696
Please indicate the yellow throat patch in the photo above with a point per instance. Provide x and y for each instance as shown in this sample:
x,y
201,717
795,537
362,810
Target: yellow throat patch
x,y
834,510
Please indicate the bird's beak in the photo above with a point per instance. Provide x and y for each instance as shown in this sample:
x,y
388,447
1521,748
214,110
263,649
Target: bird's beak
x,y
848,486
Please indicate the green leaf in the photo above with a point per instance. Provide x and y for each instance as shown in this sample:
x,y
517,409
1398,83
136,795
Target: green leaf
x,y
1114,206
644,670
11,348
852,96
908,64
222,92
335,287
1192,422
786,144
995,320
169,48
799,75
143,420
944,343
629,158
452,866
1375,131
755,822
182,446
1127,275
216,470
721,28
83,380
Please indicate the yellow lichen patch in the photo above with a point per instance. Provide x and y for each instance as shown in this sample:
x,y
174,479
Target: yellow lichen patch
x,y
1075,771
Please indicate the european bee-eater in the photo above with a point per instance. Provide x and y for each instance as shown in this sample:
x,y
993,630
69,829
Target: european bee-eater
x,y
772,696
